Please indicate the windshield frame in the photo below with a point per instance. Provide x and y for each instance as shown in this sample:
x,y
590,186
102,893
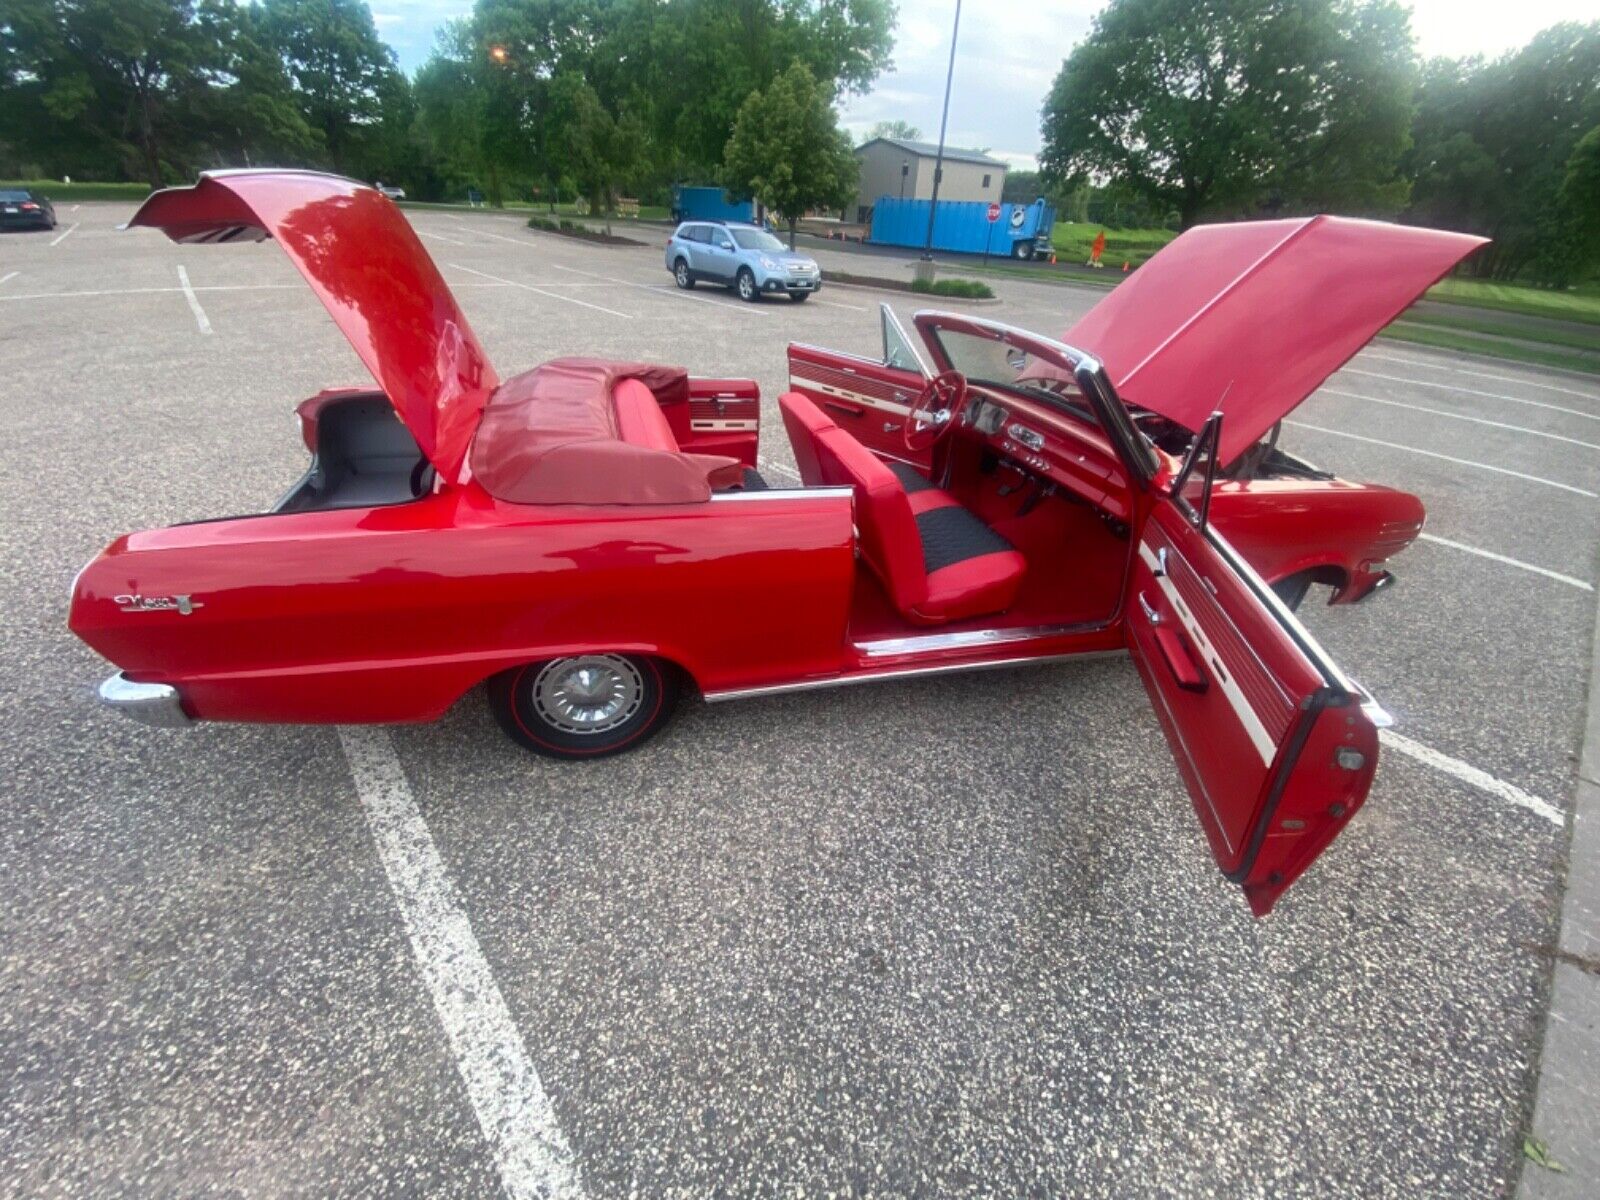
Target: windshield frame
x,y
1111,414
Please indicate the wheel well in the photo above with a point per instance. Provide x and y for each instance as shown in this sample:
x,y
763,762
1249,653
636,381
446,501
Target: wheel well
x,y
1331,574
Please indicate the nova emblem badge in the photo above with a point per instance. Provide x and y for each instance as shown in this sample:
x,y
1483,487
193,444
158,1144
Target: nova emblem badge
x,y
184,604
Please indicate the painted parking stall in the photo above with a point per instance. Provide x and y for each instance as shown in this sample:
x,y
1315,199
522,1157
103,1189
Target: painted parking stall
x,y
905,938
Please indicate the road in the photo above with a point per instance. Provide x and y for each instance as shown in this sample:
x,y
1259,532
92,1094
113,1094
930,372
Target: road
x,y
952,937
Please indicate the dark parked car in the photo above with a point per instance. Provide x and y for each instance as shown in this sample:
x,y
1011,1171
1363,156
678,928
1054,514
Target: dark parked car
x,y
23,209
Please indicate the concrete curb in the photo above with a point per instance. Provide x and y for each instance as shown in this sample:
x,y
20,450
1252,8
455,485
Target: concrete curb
x,y
895,289
1566,1115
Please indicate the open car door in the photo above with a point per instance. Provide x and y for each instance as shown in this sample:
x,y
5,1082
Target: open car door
x,y
1276,745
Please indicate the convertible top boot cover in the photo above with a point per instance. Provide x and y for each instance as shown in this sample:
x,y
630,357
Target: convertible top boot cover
x,y
573,432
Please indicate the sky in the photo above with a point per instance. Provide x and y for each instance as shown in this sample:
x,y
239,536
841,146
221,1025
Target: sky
x,y
1009,51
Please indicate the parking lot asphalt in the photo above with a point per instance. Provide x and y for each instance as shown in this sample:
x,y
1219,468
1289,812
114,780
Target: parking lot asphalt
x,y
950,937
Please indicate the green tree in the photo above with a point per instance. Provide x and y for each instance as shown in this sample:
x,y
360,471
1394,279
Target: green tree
x,y
118,81
596,150
1492,143
1227,106
340,68
788,151
904,131
1580,198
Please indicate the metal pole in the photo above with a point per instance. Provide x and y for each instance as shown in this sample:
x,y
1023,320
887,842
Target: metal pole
x,y
944,118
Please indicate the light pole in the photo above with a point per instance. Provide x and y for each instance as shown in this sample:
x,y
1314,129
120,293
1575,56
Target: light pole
x,y
944,118
905,169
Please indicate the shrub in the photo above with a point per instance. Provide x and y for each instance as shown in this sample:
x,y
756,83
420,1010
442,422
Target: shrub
x,y
544,223
966,289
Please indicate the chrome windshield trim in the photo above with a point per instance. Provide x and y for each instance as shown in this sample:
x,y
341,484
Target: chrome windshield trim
x,y
833,681
924,643
887,318
155,704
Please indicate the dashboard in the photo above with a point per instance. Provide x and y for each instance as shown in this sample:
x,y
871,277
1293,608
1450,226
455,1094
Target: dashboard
x,y
1053,447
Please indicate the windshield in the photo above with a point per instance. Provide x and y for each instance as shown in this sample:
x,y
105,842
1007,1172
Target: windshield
x,y
988,358
755,239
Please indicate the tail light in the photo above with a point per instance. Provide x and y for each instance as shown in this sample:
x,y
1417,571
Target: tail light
x,y
30,207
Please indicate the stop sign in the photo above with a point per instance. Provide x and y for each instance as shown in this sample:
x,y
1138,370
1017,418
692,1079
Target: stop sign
x,y
994,213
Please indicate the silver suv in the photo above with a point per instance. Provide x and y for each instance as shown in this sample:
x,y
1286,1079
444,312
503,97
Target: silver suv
x,y
744,257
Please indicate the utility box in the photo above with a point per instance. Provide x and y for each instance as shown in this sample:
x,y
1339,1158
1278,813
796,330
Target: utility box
x,y
709,204
963,227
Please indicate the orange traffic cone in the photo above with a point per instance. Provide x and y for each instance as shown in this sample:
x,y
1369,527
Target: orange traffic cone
x,y
1052,260
1124,266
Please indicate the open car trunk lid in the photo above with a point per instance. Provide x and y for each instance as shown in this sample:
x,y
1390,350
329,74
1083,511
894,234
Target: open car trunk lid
x,y
1251,318
367,266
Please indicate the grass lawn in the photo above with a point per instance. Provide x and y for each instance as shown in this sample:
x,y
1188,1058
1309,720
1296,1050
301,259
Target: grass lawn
x,y
1073,239
1468,319
1527,352
58,192
1580,304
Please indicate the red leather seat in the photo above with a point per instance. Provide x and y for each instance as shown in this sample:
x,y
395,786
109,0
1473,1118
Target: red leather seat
x,y
937,561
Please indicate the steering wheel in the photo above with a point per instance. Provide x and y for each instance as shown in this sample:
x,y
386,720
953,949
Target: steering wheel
x,y
934,414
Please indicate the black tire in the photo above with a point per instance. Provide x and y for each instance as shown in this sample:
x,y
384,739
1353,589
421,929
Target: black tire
x,y
681,275
534,704
799,297
1292,591
1022,250
745,285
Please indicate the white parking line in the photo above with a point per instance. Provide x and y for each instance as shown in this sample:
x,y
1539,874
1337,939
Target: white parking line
x,y
1439,412
1549,387
61,237
777,468
194,302
8,277
1472,776
1450,387
1510,562
439,237
658,289
1460,462
510,1102
527,287
836,304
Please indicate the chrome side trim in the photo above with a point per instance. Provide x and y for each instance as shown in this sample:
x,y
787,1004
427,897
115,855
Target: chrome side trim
x,y
155,704
884,647
833,681
795,493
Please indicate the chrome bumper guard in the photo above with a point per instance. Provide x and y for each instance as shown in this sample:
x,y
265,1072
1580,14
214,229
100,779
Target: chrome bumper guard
x,y
148,703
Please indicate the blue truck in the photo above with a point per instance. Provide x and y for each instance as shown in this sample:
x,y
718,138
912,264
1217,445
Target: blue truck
x,y
963,226
709,204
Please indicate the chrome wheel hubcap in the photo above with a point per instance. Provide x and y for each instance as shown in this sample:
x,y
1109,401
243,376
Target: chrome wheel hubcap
x,y
746,288
594,693
683,274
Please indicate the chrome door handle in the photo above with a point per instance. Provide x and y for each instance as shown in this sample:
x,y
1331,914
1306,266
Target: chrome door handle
x,y
1151,614
1161,561
890,426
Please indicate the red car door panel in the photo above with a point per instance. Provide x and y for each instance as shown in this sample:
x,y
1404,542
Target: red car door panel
x,y
866,398
1274,743
724,418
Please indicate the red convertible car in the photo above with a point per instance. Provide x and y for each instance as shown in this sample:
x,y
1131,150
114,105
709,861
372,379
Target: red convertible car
x,y
1295,523
589,537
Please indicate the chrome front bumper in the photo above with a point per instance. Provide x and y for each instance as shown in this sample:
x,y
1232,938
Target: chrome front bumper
x,y
148,703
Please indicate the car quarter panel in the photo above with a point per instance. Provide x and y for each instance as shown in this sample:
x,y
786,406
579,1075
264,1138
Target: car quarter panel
x,y
1284,527
390,614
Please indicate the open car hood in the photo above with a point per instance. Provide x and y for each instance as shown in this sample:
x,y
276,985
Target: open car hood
x,y
1252,317
367,266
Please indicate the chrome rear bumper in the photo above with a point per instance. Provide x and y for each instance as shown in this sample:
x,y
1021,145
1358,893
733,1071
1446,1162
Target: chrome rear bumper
x,y
148,703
